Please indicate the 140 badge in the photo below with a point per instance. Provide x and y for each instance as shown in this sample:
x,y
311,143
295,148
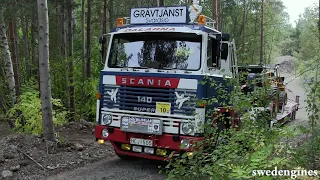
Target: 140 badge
x,y
163,108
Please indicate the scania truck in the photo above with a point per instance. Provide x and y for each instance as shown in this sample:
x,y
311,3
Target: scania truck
x,y
157,59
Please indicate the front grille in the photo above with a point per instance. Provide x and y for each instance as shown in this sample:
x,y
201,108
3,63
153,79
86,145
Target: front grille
x,y
127,99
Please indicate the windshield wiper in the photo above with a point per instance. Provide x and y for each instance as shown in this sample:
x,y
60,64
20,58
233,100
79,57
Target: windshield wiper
x,y
139,67
118,66
168,68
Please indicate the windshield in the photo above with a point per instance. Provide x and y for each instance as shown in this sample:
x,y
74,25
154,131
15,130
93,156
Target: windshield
x,y
156,50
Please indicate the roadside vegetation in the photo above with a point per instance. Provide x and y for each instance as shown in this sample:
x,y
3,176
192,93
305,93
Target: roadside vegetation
x,y
236,153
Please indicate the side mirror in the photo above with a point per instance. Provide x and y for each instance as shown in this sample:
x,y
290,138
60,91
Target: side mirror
x,y
218,37
225,36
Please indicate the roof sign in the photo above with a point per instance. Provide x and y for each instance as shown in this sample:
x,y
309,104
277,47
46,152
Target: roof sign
x,y
159,15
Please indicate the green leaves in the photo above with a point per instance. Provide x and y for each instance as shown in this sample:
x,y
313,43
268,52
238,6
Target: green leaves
x,y
235,153
28,111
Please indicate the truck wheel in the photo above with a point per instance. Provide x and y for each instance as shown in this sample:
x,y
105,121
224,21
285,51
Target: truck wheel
x,y
282,100
293,115
126,157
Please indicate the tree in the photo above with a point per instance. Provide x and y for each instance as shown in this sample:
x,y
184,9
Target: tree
x,y
160,2
71,65
83,40
7,58
262,32
45,87
104,28
25,26
244,27
89,39
16,68
215,13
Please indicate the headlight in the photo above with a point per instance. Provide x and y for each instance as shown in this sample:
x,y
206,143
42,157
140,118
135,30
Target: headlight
x,y
187,127
184,144
107,119
105,133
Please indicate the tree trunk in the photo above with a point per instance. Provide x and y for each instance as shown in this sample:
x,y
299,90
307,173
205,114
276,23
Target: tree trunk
x,y
215,13
64,52
111,14
262,33
104,29
16,43
25,28
221,15
8,66
33,47
244,28
70,54
45,89
160,2
83,39
319,21
63,32
14,57
89,40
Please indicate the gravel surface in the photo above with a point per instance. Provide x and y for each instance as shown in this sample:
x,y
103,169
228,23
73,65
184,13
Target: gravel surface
x,y
116,169
294,88
25,156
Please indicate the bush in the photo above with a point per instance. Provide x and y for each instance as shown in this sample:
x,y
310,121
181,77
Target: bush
x,y
235,153
28,111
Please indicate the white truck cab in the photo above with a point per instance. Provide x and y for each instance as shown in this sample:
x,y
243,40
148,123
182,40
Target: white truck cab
x,y
152,76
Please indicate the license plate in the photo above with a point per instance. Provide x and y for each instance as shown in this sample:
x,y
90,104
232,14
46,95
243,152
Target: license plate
x,y
141,125
163,108
141,142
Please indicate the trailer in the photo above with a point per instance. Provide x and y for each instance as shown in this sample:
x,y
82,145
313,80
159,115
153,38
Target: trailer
x,y
282,108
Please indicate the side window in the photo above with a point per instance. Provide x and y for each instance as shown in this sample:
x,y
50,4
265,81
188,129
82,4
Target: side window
x,y
118,53
212,49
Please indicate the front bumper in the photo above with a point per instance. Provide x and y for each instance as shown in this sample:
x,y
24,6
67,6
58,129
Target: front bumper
x,y
168,142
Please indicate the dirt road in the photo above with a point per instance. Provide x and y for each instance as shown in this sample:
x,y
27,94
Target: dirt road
x,y
114,168
294,88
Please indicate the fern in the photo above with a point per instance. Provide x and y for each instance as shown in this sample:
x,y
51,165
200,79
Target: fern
x,y
29,115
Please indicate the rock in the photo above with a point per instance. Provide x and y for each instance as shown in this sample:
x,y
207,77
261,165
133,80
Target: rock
x,y
78,147
83,127
8,155
13,148
6,173
24,163
2,159
15,168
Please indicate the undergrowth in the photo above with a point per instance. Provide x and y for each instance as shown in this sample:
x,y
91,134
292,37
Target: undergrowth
x,y
27,111
237,153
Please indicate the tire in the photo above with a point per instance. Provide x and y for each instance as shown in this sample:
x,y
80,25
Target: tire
x,y
283,99
293,116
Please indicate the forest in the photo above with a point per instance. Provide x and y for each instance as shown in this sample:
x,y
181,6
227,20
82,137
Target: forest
x,y
51,59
